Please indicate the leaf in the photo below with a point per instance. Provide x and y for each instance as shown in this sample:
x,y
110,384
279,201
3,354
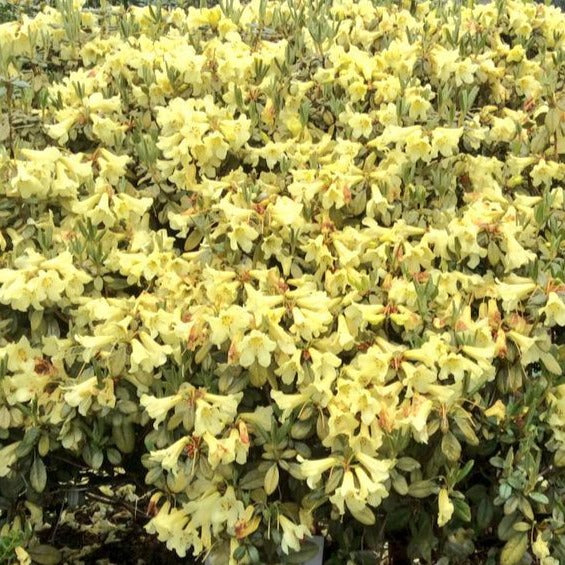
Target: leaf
x,y
462,473
422,489
521,527
271,479
18,83
514,550
43,445
551,363
124,436
114,456
485,512
193,240
252,480
539,497
450,446
462,510
399,484
526,509
45,554
4,130
308,551
364,515
407,464
467,430
505,528
552,120
334,480
26,445
38,475
398,518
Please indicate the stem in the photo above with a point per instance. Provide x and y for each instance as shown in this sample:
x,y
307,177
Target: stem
x,y
9,92
109,500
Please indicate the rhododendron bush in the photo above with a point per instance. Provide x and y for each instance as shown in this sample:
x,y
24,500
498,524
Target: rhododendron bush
x,y
280,269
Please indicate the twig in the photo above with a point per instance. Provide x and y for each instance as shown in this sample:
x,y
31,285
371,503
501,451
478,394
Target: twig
x,y
107,499
56,526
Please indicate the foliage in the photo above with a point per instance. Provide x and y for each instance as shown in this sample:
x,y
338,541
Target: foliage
x,y
285,268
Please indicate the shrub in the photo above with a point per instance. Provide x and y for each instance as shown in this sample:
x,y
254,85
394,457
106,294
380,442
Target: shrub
x,y
285,268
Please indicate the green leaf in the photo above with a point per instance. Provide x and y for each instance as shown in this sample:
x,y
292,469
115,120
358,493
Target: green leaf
x,y
252,480
407,464
422,489
514,550
551,363
124,436
461,509
521,527
505,528
450,446
38,475
308,551
271,479
399,484
45,554
485,512
539,497
364,515
30,439
462,473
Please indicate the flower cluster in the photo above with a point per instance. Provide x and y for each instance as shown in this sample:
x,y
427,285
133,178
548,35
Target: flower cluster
x,y
302,262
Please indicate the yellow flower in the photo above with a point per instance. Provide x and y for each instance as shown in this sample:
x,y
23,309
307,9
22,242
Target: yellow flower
x,y
229,323
545,171
377,468
464,72
22,556
158,408
540,547
146,353
243,235
259,304
312,470
168,457
516,54
293,534
445,61
503,129
82,394
445,141
227,450
554,310
417,147
214,412
516,255
8,457
445,507
286,212
514,290
361,125
497,410
418,105
168,524
529,350
112,167
255,346
347,492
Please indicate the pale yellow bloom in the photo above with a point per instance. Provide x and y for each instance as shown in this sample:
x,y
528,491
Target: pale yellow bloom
x,y
158,408
255,346
554,310
446,508
293,534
